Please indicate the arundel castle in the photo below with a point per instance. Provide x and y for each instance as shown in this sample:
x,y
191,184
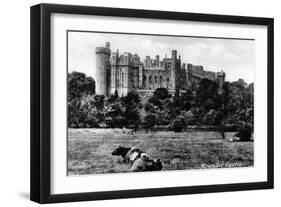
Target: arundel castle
x,y
126,72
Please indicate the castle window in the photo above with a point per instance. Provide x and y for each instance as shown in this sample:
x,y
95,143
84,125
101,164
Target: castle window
x,y
168,82
144,81
144,78
168,65
117,80
150,79
155,79
122,79
160,80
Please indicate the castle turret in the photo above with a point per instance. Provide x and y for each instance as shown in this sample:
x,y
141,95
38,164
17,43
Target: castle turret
x,y
102,71
114,58
141,69
221,80
173,69
157,61
147,61
183,66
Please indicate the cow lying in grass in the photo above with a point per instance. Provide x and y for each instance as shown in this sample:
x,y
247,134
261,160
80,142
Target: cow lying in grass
x,y
127,153
140,160
144,164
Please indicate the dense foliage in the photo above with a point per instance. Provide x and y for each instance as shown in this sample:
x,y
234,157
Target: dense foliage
x,y
231,107
79,84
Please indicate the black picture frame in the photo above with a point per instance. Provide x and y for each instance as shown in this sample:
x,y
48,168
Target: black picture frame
x,y
40,102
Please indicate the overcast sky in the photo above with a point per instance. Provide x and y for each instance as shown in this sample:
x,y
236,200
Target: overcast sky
x,y
235,57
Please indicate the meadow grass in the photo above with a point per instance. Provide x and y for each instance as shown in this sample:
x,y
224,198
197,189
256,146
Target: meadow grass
x,y
89,150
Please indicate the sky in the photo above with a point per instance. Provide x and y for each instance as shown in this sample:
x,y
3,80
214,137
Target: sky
x,y
234,57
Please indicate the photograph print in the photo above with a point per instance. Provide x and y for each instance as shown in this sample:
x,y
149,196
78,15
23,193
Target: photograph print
x,y
149,102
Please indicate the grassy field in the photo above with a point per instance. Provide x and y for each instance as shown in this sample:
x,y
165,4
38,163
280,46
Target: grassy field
x,y
89,150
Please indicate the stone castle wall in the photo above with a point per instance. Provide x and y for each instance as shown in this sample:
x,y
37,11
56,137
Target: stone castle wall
x,y
125,72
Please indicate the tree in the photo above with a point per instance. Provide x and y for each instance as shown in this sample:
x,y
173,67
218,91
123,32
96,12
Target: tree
x,y
73,109
93,107
148,107
79,87
189,118
155,101
226,94
149,120
197,115
159,97
79,84
114,97
86,111
163,117
244,132
207,95
209,104
161,93
131,98
177,99
178,124
187,100
132,116
115,114
210,117
98,101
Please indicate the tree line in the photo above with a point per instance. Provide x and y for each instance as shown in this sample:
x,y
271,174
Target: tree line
x,y
232,108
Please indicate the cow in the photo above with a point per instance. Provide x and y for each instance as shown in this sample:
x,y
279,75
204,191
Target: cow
x,y
146,164
128,154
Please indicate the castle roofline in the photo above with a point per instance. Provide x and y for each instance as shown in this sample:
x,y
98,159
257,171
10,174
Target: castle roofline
x,y
104,50
221,73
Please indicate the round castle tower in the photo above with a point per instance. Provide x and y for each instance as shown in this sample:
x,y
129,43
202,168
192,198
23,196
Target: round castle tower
x,y
102,69
221,80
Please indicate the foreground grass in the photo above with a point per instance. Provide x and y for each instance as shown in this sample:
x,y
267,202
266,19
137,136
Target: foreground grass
x,y
89,150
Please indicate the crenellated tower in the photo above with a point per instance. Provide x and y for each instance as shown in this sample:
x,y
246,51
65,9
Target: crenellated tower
x,y
220,80
173,69
102,72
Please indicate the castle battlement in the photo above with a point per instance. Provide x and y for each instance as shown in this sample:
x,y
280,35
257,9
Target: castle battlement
x,y
154,68
103,50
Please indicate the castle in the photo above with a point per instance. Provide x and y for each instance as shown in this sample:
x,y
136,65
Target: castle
x,y
126,72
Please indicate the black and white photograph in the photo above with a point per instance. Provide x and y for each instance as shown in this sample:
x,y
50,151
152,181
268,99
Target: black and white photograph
x,y
133,103
148,102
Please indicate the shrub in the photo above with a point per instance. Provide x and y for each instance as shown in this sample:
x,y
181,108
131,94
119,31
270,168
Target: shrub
x,y
117,121
178,124
149,120
155,101
131,98
148,107
244,132
164,117
132,116
161,93
197,116
189,117
210,117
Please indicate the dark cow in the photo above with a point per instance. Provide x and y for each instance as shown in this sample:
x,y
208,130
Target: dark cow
x,y
128,154
146,164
